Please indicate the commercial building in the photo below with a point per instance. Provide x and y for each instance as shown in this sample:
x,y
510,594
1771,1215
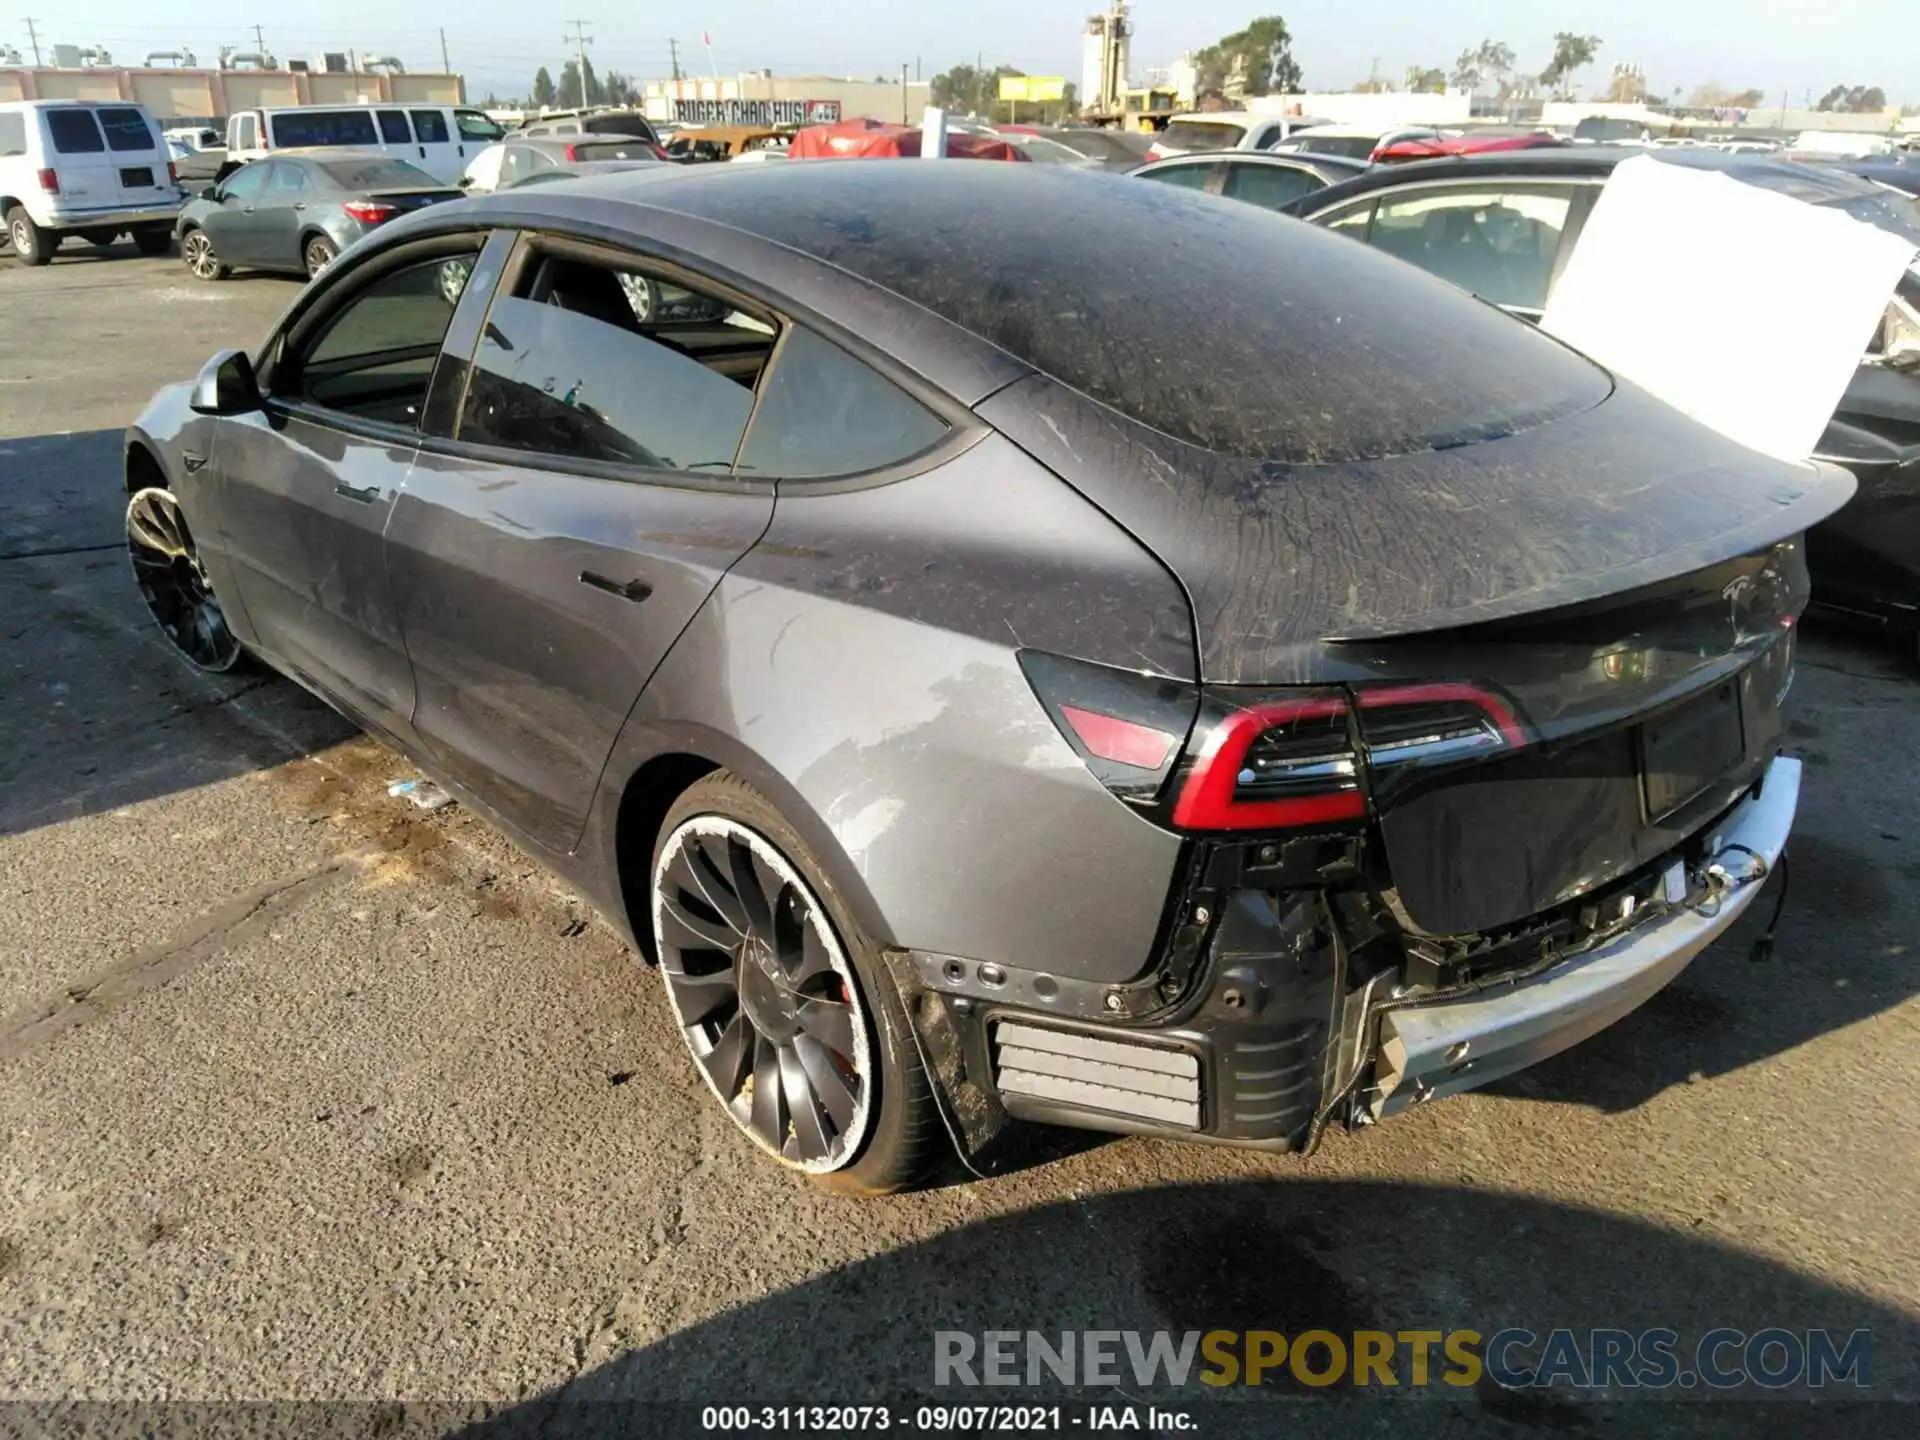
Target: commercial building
x,y
194,95
763,98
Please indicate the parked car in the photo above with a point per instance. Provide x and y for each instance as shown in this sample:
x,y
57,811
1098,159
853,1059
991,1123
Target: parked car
x,y
584,170
1502,227
438,139
603,120
196,137
520,156
712,143
1120,150
1225,130
1473,142
1202,646
1355,142
77,168
1259,177
194,169
299,210
1901,175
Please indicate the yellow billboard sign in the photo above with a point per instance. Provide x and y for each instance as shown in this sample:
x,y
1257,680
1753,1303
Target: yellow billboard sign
x,y
1033,87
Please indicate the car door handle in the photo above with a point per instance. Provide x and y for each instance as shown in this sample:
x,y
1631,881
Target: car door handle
x,y
192,460
634,590
364,496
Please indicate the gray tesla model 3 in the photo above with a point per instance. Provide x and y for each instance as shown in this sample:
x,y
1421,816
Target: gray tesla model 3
x,y
1014,645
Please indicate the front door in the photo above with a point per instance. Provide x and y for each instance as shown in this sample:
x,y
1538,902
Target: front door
x,y
232,228
280,216
546,557
310,482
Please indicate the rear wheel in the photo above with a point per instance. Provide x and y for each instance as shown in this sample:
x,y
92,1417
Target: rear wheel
x,y
196,251
152,242
33,245
318,254
784,1005
174,583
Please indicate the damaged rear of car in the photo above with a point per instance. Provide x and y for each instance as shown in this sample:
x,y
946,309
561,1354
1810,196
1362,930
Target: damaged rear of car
x,y
1491,655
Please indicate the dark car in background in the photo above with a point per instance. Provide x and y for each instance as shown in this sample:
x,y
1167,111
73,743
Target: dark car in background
x,y
1258,177
604,121
522,158
297,212
1503,225
1322,694
1112,149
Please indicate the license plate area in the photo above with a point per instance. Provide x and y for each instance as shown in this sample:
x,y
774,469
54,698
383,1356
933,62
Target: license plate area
x,y
1684,751
137,178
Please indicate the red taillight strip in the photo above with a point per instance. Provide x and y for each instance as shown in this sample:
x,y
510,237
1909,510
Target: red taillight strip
x,y
1122,741
1206,800
1492,706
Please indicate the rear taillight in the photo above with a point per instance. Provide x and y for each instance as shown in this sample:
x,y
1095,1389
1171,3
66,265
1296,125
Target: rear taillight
x,y
49,181
1429,724
370,212
173,173
658,153
572,154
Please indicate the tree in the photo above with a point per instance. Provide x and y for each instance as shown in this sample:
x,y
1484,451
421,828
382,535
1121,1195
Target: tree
x,y
1854,100
1490,64
1259,59
617,89
1751,99
543,91
1628,86
1570,53
1426,81
571,94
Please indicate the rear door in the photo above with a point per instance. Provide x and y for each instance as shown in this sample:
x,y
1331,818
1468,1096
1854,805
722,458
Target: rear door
x,y
77,153
138,158
549,550
437,152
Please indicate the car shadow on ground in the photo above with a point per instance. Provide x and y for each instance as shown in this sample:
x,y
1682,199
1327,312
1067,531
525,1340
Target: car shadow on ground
x,y
97,708
1285,1256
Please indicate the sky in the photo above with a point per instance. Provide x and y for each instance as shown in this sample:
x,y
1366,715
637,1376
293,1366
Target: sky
x,y
1791,47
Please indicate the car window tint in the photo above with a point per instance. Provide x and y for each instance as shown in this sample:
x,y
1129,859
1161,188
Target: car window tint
x,y
431,126
1203,134
323,127
1351,223
376,174
13,135
593,363
1187,177
125,128
245,183
393,127
74,132
374,358
473,125
1268,185
825,413
285,181
613,150
1498,243
513,165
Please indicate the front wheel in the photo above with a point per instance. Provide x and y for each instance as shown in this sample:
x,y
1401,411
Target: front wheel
x,y
318,255
33,245
174,583
196,253
784,1005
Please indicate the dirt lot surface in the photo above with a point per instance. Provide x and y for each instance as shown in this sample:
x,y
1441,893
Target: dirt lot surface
x,y
307,1094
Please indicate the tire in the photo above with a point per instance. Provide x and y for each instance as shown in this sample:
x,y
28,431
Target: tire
x,y
196,252
31,244
809,1004
316,254
152,242
102,239
174,583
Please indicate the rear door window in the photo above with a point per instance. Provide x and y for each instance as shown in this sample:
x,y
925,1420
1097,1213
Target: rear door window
x,y
430,126
473,125
1499,242
286,182
323,127
825,413
1270,185
74,132
125,128
393,127
604,363
1203,135
1186,177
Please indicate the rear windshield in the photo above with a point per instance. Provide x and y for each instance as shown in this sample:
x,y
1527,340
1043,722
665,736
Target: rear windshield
x,y
612,150
376,174
126,128
625,123
1353,147
1203,135
1222,325
324,127
74,133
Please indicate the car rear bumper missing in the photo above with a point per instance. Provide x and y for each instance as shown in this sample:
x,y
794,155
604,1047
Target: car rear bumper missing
x,y
1454,1045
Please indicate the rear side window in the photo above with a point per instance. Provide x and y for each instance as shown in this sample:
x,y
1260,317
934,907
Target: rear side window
x,y
1497,242
74,133
376,174
430,126
324,127
1270,185
825,413
606,364
125,128
393,127
1203,135
286,181
13,134
1186,177
475,126
613,150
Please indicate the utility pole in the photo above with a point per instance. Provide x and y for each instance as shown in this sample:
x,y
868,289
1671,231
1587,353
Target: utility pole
x,y
259,41
673,49
581,40
446,65
903,92
33,39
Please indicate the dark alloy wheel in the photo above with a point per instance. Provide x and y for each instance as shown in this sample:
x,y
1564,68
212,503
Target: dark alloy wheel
x,y
174,582
764,994
319,255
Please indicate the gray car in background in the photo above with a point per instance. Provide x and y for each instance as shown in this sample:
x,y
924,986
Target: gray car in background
x,y
296,212
993,680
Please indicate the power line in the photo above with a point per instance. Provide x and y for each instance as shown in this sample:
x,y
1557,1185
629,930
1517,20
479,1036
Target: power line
x,y
581,40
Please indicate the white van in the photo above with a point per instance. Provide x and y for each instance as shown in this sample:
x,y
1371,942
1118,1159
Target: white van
x,y
440,139
96,169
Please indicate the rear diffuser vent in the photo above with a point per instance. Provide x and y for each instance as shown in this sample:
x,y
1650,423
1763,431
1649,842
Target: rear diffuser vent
x,y
1149,1083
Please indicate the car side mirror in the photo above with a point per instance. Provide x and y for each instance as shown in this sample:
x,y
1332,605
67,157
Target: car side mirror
x,y
210,192
226,386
